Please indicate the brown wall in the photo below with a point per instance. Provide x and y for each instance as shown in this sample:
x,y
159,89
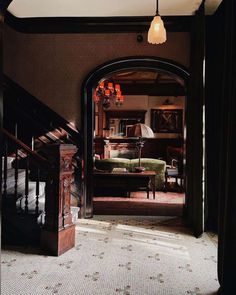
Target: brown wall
x,y
52,67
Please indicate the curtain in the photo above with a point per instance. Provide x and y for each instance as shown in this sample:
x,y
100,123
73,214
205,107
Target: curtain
x,y
215,34
194,114
227,153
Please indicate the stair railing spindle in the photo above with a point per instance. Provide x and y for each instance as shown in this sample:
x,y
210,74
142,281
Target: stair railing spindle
x,y
32,143
16,175
5,170
37,193
26,184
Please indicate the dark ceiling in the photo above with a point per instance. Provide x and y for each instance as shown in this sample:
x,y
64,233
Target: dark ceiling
x,y
150,83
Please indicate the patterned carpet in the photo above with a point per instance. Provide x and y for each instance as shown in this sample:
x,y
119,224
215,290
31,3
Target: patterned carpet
x,y
118,255
160,197
164,204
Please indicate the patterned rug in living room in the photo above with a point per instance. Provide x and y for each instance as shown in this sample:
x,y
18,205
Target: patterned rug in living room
x,y
164,204
118,255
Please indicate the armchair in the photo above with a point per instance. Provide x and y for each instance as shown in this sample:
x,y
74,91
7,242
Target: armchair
x,y
175,168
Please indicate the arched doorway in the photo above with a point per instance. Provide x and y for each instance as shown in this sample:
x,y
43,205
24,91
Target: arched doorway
x,y
128,63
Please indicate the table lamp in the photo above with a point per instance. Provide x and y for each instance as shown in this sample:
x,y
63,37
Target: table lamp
x,y
141,131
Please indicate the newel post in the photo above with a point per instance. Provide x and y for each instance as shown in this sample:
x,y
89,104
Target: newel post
x,y
58,232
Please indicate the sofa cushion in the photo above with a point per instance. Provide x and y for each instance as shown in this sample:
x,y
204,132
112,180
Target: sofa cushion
x,y
156,165
110,163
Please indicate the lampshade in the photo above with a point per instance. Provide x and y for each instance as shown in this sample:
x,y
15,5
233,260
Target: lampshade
x,y
140,130
157,31
108,93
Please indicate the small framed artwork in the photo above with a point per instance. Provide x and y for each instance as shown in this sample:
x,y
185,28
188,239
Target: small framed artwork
x,y
167,120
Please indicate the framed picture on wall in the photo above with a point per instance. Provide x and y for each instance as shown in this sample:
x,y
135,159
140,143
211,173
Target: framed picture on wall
x,y
167,120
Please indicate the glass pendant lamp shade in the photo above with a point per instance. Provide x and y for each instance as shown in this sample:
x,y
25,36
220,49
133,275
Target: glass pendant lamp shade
x,y
157,31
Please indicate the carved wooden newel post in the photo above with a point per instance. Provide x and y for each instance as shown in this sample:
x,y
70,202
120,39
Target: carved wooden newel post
x,y
58,233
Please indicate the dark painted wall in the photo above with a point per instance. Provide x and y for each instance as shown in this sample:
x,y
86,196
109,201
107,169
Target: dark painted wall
x,y
53,66
214,78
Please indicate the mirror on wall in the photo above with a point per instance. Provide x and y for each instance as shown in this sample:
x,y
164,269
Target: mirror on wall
x,y
119,122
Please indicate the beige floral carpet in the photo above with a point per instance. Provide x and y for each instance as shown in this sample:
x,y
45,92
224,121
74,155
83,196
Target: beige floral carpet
x,y
118,255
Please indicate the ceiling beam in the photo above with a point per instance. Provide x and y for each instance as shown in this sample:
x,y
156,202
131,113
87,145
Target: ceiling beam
x,y
94,24
162,89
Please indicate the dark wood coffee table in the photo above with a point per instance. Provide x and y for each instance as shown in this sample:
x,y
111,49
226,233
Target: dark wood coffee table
x,y
129,181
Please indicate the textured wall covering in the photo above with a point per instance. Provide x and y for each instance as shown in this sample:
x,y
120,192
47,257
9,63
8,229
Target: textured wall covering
x,y
53,66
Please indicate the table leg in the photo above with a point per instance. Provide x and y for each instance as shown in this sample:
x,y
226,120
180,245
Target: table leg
x,y
153,187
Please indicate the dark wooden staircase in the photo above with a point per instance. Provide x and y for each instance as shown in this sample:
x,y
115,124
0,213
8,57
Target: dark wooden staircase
x,y
44,174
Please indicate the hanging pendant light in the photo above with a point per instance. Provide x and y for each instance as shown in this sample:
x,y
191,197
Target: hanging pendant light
x,y
157,31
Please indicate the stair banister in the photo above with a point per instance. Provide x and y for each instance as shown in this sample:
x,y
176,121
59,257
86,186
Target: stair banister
x,y
40,160
58,232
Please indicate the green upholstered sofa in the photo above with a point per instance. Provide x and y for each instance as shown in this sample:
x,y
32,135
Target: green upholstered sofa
x,y
156,165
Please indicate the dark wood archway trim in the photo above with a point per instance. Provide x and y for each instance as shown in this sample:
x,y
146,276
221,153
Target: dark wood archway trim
x,y
62,25
137,63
